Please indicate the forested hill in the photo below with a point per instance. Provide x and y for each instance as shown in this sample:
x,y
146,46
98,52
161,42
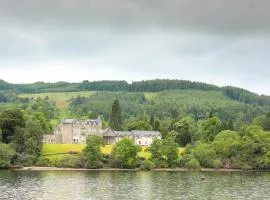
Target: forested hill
x,y
157,85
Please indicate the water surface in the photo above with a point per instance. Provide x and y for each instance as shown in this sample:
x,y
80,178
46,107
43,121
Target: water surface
x,y
81,185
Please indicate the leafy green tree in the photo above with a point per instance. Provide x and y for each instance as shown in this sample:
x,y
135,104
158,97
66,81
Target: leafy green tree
x,y
266,124
170,150
193,164
184,130
33,137
9,121
152,121
116,119
92,153
263,162
183,135
204,154
139,125
227,144
259,121
6,153
254,142
156,153
20,139
124,153
156,125
210,128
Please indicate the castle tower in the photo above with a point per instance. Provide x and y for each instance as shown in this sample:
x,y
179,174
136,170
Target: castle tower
x,y
67,131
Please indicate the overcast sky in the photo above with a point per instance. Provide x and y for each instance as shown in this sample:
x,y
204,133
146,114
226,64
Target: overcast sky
x,y
224,42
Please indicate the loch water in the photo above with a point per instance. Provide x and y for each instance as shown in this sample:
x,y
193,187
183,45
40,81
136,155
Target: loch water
x,y
116,185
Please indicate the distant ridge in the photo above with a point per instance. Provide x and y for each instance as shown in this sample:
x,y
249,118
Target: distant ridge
x,y
156,85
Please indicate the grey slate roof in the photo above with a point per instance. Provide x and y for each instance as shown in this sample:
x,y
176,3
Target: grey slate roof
x,y
110,133
68,121
123,133
87,122
138,133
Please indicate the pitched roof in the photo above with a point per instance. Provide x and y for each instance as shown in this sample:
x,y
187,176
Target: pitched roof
x,y
136,133
139,133
122,133
109,132
68,121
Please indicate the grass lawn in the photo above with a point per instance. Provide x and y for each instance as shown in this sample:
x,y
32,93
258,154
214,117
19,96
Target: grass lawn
x,y
61,98
68,148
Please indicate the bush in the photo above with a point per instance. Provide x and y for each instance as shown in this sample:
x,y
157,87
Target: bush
x,y
193,164
147,165
24,159
57,163
246,167
106,158
92,154
217,164
6,154
204,154
124,154
237,164
160,163
72,162
69,161
43,162
185,159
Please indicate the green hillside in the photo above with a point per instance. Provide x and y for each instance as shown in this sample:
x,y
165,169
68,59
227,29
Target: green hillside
x,y
61,98
164,105
167,104
157,85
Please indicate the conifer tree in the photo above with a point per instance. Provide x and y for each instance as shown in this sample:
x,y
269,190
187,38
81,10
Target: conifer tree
x,y
116,120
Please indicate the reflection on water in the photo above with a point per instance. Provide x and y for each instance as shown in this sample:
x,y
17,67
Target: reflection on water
x,y
133,185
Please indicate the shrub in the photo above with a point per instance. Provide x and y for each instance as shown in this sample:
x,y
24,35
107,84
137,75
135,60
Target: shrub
x,y
160,163
124,154
72,162
237,164
24,159
185,159
204,154
147,165
43,162
6,153
92,154
57,163
217,164
193,164
246,167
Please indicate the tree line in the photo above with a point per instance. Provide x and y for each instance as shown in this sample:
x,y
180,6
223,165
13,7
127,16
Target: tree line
x,y
157,85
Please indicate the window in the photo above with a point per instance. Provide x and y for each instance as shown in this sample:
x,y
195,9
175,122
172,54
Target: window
x,y
140,142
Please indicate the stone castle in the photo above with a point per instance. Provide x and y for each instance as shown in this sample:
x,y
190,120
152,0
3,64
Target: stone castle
x,y
73,131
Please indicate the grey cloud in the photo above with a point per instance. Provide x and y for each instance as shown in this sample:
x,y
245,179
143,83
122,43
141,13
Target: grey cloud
x,y
209,15
216,41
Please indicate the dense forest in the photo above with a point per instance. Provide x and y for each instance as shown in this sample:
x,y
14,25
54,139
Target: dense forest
x,y
218,127
157,85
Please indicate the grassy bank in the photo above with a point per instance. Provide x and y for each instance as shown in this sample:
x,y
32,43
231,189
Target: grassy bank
x,y
60,151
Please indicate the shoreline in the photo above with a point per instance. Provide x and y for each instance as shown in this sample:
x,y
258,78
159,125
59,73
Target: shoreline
x,y
34,168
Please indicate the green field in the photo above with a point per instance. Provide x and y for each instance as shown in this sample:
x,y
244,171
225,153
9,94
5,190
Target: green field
x,y
61,98
59,151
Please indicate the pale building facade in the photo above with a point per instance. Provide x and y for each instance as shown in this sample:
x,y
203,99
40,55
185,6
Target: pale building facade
x,y
73,131
143,138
